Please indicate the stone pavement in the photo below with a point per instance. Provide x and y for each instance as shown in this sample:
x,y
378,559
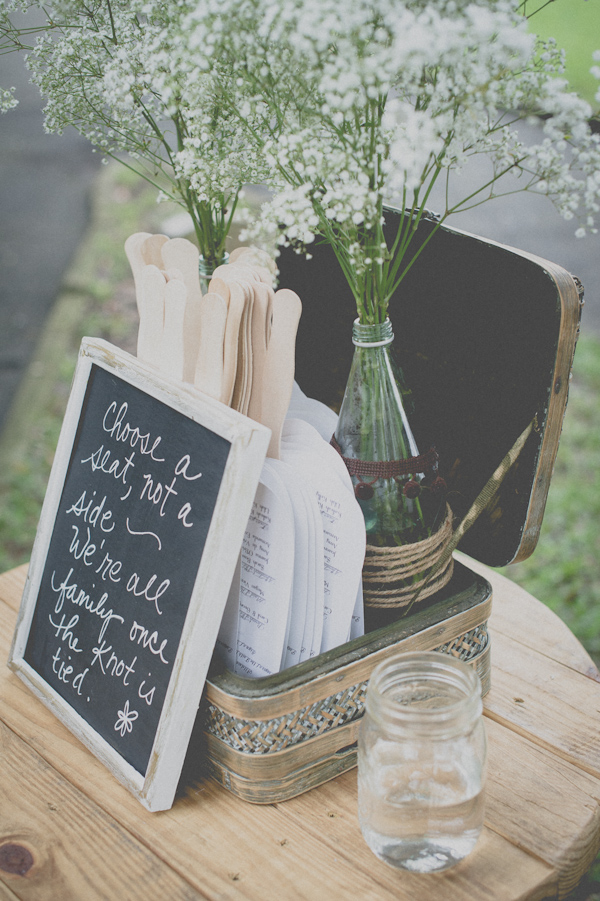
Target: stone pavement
x,y
44,189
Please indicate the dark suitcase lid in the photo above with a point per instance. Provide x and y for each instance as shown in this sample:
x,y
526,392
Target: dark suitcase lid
x,y
485,335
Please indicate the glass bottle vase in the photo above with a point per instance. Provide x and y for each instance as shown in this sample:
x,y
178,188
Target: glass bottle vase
x,y
398,489
206,268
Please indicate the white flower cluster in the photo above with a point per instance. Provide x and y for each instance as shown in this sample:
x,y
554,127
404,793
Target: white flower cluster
x,y
336,107
380,99
108,68
7,99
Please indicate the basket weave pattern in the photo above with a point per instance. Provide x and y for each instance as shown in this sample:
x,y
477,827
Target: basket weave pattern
x,y
267,736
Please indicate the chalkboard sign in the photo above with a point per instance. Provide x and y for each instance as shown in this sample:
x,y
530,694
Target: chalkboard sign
x,y
138,539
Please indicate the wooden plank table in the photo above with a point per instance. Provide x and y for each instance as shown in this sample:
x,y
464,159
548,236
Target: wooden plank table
x,y
68,830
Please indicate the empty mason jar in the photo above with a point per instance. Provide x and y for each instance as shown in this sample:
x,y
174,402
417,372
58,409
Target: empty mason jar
x,y
421,761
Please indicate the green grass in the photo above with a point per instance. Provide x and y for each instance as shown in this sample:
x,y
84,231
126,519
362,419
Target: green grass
x,y
576,26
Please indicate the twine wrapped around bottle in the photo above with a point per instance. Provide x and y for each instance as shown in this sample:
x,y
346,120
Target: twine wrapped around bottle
x,y
392,575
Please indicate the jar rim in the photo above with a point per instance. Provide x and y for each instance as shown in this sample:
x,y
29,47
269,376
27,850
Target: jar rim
x,y
453,711
207,267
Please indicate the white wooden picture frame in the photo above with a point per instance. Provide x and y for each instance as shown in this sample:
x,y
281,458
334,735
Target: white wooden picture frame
x,y
111,507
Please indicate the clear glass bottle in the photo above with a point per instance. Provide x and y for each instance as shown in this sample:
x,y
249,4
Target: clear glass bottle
x,y
421,761
374,437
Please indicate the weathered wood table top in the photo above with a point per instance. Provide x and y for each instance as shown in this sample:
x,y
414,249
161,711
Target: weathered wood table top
x,y
68,830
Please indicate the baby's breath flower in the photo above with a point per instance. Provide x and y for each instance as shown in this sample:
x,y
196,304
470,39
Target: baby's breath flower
x,y
383,100
337,109
7,99
112,70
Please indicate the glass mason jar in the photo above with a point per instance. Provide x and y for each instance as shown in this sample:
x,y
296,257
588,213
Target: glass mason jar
x,y
396,487
421,761
206,268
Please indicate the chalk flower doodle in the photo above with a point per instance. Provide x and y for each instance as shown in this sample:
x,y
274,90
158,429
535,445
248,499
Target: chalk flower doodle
x,y
125,719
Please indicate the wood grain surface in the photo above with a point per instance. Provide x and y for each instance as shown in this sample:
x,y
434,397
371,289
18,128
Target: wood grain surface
x,y
87,837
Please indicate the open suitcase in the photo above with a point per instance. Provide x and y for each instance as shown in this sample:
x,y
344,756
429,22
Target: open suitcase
x,y
485,335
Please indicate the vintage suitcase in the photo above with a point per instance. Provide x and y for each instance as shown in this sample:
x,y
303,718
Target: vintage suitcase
x,y
485,335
